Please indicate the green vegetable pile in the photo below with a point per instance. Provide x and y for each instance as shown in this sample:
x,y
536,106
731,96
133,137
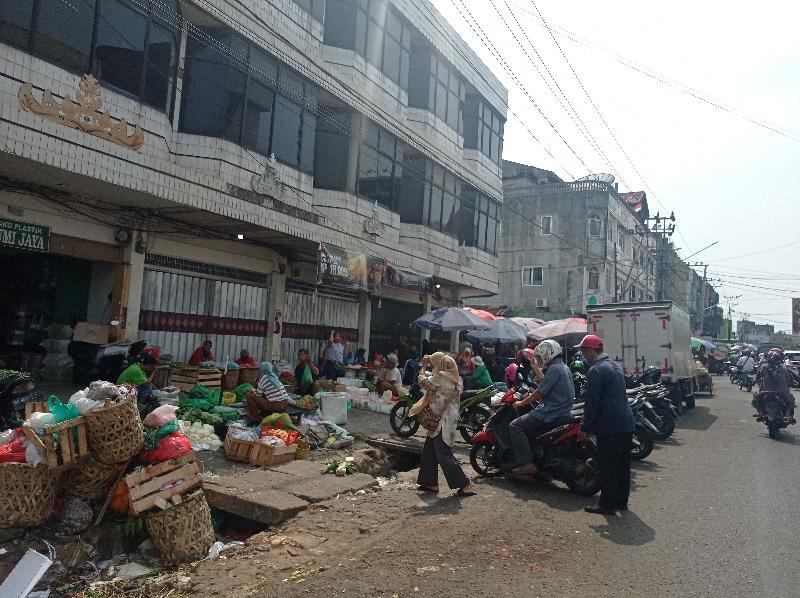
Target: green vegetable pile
x,y
6,374
192,414
340,467
369,385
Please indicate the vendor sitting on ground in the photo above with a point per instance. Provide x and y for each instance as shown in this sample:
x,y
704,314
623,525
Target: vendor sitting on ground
x,y
245,360
202,354
306,374
480,378
268,397
393,380
140,374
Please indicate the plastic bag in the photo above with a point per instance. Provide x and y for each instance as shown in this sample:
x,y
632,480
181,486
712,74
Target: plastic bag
x,y
85,404
120,499
308,378
13,452
160,416
240,391
32,453
61,411
169,448
200,392
152,436
7,436
37,421
100,390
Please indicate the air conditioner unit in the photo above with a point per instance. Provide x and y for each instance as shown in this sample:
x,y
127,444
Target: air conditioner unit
x,y
541,303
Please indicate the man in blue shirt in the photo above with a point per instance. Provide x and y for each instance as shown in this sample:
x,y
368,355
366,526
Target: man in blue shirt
x,y
608,416
554,395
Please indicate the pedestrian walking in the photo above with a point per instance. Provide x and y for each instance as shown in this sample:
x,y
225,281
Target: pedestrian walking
x,y
437,412
608,416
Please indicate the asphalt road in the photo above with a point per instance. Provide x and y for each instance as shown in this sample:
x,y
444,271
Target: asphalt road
x,y
714,512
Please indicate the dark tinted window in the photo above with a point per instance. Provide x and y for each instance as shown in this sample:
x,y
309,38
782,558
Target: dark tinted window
x,y
162,50
63,32
483,128
15,21
380,166
316,8
119,49
331,151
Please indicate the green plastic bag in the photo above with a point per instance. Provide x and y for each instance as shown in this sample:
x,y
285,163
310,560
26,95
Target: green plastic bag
x,y
200,392
60,411
227,413
152,436
240,391
200,404
308,378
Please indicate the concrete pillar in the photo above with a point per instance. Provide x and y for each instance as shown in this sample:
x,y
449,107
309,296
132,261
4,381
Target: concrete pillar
x,y
126,296
364,321
427,306
276,302
454,342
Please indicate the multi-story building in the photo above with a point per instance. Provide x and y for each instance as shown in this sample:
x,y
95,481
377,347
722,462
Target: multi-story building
x,y
568,244
757,334
253,172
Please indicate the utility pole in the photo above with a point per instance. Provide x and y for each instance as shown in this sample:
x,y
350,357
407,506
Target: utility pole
x,y
616,276
729,300
662,227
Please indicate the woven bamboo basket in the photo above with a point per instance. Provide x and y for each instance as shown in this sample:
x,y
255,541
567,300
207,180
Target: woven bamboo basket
x,y
248,376
183,533
91,481
230,379
115,432
28,494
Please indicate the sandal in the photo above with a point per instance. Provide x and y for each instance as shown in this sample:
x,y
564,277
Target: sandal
x,y
426,489
465,493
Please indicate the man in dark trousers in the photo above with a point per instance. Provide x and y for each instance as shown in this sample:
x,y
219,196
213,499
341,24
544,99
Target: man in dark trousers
x,y
608,416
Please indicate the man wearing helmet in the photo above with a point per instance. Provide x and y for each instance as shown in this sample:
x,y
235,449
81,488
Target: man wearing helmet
x,y
554,395
773,376
608,416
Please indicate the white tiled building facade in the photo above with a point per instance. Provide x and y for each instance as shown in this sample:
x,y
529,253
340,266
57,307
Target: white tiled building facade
x,y
376,113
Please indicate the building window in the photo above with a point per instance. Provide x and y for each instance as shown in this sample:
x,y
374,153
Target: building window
x,y
621,238
125,44
649,297
380,165
316,8
435,86
372,29
266,106
594,279
632,295
533,276
332,149
547,225
483,127
595,226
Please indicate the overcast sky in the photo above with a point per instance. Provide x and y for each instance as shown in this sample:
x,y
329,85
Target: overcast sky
x,y
727,179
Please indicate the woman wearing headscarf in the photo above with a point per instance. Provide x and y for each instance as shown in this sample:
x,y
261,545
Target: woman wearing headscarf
x,y
438,414
268,397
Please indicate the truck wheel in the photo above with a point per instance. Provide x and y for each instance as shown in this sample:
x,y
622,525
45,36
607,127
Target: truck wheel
x,y
688,397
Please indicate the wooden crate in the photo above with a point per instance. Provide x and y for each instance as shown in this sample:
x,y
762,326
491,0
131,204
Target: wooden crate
x,y
64,445
257,453
162,377
146,488
187,378
35,407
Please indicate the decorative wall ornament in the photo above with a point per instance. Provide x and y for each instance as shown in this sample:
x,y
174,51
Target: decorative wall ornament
x,y
83,113
373,224
267,183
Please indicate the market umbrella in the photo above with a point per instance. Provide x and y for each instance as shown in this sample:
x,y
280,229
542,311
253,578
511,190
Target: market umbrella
x,y
699,342
482,313
501,331
567,330
530,324
449,319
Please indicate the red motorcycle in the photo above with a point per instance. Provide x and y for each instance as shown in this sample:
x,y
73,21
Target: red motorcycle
x,y
557,452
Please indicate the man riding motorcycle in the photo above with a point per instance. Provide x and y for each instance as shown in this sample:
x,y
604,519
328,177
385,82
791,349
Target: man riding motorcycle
x,y
554,395
774,377
746,363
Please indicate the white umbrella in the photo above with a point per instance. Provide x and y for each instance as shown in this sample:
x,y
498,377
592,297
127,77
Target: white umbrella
x,y
501,331
561,330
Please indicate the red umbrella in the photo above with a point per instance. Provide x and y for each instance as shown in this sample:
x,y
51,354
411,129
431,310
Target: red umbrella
x,y
482,313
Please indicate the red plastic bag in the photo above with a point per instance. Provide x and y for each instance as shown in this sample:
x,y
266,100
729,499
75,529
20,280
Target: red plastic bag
x,y
169,448
13,452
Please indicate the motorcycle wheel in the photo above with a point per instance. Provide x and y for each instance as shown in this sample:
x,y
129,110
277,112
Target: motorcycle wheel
x,y
585,479
482,457
403,425
474,420
642,444
772,430
667,424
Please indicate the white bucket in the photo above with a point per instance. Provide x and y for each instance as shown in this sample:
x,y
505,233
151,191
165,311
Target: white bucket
x,y
334,407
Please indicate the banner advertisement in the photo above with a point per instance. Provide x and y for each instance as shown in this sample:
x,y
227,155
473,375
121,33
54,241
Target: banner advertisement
x,y
796,316
410,281
341,268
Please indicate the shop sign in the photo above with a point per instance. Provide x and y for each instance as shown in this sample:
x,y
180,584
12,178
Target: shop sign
x,y
410,281
22,235
341,268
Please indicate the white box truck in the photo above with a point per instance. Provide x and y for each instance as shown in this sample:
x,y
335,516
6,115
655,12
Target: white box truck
x,y
638,335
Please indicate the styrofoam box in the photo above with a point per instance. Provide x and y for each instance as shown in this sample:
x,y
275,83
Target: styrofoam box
x,y
350,382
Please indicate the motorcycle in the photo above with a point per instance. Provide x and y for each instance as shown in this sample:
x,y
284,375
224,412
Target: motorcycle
x,y
772,412
746,382
16,389
557,452
644,431
473,413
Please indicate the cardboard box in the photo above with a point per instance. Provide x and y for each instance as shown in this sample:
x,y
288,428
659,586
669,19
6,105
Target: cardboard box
x,y
340,388
95,334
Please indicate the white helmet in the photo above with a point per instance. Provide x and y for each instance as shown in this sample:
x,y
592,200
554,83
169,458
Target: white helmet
x,y
547,351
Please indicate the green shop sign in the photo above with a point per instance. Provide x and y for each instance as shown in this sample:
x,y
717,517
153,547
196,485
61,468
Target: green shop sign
x,y
22,235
